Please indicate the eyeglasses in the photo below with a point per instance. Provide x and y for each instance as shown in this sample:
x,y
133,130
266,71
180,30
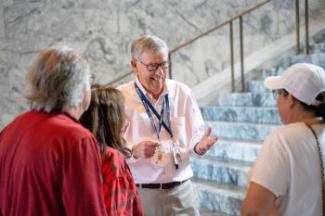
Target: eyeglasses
x,y
154,66
278,92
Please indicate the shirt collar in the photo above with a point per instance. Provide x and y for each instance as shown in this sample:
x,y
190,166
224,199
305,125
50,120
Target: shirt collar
x,y
58,112
316,120
164,92
71,117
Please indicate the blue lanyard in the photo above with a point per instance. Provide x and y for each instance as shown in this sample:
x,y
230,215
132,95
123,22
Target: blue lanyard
x,y
150,108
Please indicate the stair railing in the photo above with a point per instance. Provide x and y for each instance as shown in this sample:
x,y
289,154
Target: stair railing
x,y
306,27
231,39
241,42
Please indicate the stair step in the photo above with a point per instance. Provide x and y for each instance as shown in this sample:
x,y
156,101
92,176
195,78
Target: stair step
x,y
269,72
235,150
241,131
220,170
315,58
261,115
257,86
318,58
218,197
318,48
242,121
206,212
319,37
246,99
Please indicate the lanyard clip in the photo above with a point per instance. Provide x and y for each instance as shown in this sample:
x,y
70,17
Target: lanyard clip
x,y
176,156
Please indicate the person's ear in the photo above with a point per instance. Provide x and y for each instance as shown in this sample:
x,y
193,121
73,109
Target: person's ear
x,y
134,65
86,98
291,101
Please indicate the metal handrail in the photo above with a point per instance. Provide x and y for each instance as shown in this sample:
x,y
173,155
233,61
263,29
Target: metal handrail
x,y
230,22
307,26
297,26
190,41
231,38
307,48
218,26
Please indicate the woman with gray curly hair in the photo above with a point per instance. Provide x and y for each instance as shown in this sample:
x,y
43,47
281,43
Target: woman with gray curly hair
x,y
58,79
49,163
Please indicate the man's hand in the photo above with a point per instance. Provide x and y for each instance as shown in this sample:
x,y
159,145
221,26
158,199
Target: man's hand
x,y
205,143
144,149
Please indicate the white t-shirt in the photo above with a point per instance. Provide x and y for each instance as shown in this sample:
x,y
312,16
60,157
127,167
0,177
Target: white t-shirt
x,y
289,166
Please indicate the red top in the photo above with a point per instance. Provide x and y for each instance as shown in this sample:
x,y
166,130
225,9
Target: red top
x,y
120,192
49,165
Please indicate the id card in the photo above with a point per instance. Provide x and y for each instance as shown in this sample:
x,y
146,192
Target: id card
x,y
158,157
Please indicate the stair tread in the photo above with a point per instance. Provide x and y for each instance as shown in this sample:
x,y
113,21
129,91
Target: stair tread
x,y
243,123
237,164
244,106
228,189
239,107
256,115
239,142
206,212
245,93
221,176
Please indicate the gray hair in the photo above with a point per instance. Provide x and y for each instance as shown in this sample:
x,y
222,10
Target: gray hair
x,y
57,80
147,42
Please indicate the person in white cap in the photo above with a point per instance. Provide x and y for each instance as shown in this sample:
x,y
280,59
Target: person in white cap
x,y
288,176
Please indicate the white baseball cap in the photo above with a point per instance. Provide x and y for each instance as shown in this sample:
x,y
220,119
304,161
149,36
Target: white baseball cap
x,y
303,81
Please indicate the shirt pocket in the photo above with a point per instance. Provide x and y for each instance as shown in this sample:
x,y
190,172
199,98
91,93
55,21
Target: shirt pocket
x,y
140,126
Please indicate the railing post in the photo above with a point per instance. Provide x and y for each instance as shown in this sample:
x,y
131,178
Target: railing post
x,y
231,39
240,16
307,26
241,53
297,27
170,65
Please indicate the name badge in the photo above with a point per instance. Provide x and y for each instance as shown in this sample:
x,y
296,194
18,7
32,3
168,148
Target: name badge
x,y
159,156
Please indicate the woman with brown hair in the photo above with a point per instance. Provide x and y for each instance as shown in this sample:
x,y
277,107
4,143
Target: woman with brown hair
x,y
105,119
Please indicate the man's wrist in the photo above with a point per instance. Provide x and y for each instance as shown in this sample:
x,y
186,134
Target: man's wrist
x,y
196,151
131,159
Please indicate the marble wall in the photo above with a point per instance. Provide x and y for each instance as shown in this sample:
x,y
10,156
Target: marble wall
x,y
103,30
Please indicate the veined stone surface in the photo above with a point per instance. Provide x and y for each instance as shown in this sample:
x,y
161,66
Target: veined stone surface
x,y
241,131
236,150
259,115
2,24
241,121
246,99
103,31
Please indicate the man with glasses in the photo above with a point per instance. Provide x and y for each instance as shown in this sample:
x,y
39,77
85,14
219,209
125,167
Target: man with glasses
x,y
164,126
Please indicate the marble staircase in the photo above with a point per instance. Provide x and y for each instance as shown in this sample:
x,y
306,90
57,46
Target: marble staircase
x,y
242,121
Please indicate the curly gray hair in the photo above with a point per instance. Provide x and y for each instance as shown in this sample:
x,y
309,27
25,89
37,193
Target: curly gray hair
x,y
147,42
57,80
